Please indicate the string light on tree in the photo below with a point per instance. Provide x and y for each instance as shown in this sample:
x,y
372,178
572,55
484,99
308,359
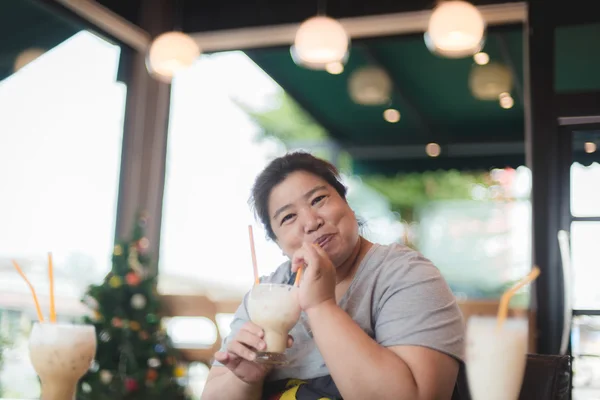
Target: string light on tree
x,y
132,355
138,301
106,377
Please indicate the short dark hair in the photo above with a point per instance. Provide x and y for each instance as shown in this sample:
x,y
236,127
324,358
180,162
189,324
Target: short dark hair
x,y
278,170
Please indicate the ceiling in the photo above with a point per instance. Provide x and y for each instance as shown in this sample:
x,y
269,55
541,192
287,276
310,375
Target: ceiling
x,y
431,93
433,96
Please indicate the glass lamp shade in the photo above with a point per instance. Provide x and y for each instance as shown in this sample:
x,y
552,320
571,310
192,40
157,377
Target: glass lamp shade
x,y
487,82
320,41
456,29
170,53
370,86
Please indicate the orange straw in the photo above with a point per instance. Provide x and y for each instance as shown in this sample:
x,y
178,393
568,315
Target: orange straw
x,y
298,276
253,251
35,300
51,278
505,299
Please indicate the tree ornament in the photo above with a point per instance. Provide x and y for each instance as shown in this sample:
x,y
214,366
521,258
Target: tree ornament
x,y
138,301
106,377
152,318
91,302
134,262
97,316
94,366
143,245
105,336
151,375
115,282
179,372
132,279
131,384
153,362
86,388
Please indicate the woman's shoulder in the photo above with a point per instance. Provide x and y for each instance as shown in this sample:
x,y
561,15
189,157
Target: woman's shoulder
x,y
396,256
280,275
398,263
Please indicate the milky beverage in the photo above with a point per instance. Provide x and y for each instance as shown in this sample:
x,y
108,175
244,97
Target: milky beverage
x,y
275,308
495,359
61,354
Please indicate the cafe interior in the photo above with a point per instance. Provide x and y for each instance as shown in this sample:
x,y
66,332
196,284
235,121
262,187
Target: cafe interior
x,y
482,155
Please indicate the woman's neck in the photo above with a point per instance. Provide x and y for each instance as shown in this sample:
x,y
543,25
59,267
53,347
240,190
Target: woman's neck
x,y
348,269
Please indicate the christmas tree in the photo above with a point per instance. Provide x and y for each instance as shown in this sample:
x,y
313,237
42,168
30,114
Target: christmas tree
x,y
135,359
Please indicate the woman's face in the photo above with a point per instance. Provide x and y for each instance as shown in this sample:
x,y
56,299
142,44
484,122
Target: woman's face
x,y
305,208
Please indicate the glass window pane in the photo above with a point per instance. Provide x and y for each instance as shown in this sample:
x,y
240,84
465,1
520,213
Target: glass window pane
x,y
585,343
228,120
223,114
586,264
212,161
585,190
585,174
60,150
191,332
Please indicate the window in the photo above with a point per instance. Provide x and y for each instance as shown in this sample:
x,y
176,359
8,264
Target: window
x,y
217,146
60,149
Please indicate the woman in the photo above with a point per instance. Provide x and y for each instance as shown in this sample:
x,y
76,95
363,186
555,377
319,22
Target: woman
x,y
378,322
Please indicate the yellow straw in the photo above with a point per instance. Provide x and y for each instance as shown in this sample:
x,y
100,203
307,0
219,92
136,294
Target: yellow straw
x,y
298,276
253,251
505,299
35,300
51,278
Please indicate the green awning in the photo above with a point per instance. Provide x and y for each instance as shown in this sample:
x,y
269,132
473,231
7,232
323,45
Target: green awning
x,y
26,25
433,96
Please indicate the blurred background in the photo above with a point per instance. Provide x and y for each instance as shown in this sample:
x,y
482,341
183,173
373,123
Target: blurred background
x,y
432,160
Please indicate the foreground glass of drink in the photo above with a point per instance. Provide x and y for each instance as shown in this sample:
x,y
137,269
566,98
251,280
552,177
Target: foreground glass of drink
x,y
61,354
495,358
275,308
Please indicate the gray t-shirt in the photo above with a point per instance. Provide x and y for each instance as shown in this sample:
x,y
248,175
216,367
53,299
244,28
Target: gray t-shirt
x,y
397,297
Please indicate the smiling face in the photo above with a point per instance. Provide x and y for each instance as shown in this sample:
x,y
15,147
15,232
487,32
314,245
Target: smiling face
x,y
305,208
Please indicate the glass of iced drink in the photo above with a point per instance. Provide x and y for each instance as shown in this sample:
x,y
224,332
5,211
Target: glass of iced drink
x,y
495,358
275,308
61,354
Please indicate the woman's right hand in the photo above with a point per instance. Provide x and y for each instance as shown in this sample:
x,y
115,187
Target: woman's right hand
x,y
240,355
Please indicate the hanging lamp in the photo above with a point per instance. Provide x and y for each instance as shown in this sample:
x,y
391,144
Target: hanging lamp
x,y
320,41
456,29
171,52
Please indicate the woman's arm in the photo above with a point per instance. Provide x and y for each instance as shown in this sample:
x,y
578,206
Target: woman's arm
x,y
221,383
416,313
362,369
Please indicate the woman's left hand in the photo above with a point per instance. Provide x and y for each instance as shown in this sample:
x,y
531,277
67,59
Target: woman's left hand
x,y
318,277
